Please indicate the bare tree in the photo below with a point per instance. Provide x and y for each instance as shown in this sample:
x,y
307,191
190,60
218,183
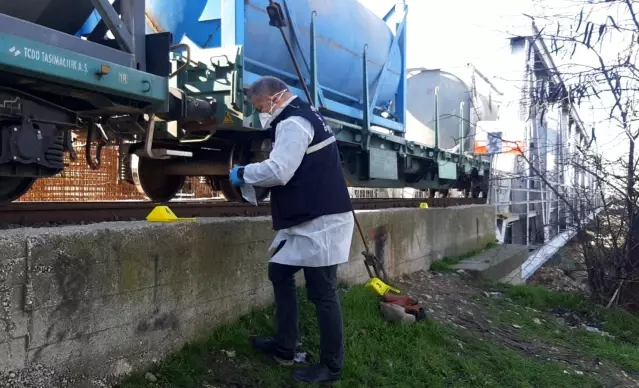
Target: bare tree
x,y
598,44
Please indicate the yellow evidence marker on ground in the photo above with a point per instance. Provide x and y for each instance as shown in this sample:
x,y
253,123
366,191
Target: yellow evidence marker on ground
x,y
164,214
379,287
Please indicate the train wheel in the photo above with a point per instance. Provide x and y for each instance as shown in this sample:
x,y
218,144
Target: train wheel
x,y
233,194
240,155
12,188
475,191
150,179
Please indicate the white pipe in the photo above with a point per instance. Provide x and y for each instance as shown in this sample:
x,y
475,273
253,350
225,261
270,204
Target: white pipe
x,y
541,256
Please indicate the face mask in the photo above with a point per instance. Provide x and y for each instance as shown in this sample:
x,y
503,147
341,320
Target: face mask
x,y
279,95
264,118
273,100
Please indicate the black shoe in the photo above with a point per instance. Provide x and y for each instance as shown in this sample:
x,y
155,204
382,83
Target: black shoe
x,y
268,346
317,373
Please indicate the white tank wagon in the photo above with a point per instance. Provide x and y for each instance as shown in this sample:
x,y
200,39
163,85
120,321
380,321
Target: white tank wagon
x,y
443,108
460,104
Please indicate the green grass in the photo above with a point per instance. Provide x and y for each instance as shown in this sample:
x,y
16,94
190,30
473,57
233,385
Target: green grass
x,y
426,354
446,264
537,322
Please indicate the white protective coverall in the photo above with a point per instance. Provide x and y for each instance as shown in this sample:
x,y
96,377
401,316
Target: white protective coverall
x,y
323,241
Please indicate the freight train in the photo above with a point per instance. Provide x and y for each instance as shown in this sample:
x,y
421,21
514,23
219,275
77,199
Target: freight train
x,y
165,81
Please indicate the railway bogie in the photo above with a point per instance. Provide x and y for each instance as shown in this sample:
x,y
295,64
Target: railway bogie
x,y
171,95
30,144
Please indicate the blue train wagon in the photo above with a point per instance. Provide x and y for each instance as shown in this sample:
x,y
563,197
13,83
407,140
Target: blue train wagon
x,y
165,81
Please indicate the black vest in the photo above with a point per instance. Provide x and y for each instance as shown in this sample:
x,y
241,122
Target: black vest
x,y
318,186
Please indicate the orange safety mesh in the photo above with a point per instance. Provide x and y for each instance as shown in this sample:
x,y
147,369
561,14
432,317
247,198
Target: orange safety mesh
x,y
78,182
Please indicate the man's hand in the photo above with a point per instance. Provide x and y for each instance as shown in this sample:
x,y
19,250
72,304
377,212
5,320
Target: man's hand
x,y
236,176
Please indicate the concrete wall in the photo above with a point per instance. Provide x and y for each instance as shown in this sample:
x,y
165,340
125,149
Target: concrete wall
x,y
116,295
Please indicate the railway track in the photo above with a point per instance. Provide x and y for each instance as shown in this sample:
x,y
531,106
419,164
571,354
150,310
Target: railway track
x,y
38,214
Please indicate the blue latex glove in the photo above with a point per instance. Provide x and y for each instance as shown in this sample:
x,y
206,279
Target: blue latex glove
x,y
236,176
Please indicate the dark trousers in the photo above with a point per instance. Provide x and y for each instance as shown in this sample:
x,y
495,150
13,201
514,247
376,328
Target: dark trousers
x,y
321,288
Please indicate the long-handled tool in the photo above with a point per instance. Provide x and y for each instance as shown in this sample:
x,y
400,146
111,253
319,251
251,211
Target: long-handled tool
x,y
276,16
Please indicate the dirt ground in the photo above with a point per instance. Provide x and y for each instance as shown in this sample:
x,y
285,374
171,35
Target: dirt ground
x,y
453,299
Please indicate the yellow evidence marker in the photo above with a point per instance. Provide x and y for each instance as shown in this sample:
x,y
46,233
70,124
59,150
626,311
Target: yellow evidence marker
x,y
423,205
379,287
164,214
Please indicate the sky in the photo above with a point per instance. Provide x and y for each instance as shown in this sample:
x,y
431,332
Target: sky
x,y
466,30
450,34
